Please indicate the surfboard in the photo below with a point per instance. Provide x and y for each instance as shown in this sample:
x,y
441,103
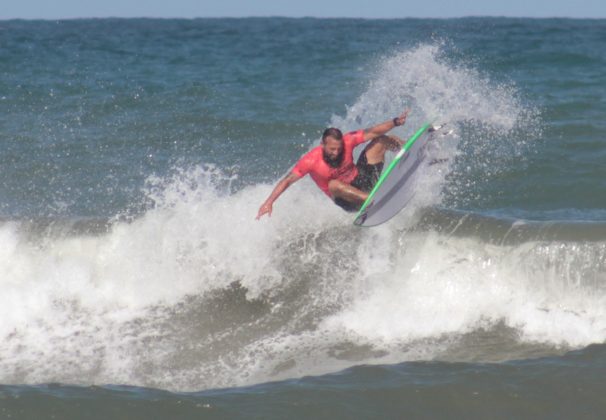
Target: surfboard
x,y
394,189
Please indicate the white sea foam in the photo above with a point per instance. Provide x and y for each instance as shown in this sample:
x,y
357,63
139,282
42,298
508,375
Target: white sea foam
x,y
319,295
435,89
445,285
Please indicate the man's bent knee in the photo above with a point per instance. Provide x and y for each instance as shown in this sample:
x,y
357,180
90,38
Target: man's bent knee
x,y
335,186
375,151
339,189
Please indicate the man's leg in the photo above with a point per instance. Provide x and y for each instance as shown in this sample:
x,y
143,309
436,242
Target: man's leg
x,y
370,164
339,189
375,151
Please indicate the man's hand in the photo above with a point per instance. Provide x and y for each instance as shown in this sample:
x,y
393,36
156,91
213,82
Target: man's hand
x,y
398,121
266,208
384,127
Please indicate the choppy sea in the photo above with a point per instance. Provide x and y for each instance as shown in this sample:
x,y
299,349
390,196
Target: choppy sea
x,y
135,282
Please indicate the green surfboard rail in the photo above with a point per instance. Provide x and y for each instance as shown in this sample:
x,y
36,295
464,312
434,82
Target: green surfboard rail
x,y
393,163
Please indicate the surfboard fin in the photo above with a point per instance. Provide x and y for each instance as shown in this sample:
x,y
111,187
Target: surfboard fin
x,y
433,128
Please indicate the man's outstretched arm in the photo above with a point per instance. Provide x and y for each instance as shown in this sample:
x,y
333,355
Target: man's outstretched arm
x,y
380,129
287,181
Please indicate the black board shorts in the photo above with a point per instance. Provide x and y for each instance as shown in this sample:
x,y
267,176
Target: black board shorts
x,y
368,175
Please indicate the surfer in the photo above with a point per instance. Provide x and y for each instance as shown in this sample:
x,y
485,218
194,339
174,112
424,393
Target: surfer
x,y
331,165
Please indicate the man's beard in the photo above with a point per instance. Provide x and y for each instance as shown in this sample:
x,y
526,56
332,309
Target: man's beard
x,y
334,162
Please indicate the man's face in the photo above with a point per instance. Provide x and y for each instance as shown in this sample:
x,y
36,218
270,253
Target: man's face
x,y
333,151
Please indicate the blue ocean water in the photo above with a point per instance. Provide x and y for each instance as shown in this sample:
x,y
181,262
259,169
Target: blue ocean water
x,y
136,282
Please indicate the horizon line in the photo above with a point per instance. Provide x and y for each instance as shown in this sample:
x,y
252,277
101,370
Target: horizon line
x,y
298,17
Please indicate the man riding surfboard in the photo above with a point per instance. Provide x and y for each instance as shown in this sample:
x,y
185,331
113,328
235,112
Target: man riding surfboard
x,y
331,165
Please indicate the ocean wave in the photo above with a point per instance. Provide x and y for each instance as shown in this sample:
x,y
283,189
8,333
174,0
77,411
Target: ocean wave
x,y
196,294
192,293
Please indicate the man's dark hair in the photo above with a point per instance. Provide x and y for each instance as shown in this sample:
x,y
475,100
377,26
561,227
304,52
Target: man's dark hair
x,y
332,132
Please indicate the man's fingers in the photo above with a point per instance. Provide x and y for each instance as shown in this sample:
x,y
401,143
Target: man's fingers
x,y
263,211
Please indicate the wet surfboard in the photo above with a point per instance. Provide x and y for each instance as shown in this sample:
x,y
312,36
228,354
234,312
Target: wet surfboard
x,y
395,188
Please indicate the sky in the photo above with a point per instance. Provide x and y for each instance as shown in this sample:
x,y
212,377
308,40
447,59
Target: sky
x,y
67,9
